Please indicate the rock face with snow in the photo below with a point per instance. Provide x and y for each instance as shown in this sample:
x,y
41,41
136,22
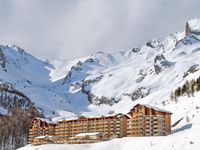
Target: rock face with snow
x,y
193,26
29,75
140,93
161,63
2,59
10,98
101,78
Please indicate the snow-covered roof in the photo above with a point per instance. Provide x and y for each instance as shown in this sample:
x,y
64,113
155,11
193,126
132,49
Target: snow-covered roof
x,y
47,120
44,137
94,116
153,107
104,115
88,134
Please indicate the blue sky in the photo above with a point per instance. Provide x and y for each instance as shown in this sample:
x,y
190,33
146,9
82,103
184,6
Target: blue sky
x,y
68,29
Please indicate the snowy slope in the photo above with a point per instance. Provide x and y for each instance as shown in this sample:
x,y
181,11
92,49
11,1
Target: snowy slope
x,y
155,70
29,75
102,82
102,78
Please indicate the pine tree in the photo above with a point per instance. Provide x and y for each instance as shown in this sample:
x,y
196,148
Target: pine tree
x,y
193,87
183,89
198,84
175,98
172,96
178,92
188,88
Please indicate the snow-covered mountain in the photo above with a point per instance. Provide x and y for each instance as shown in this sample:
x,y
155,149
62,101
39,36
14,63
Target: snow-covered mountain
x,y
28,75
102,78
102,82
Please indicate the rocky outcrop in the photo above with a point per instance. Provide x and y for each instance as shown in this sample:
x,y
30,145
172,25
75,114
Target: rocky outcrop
x,y
160,63
142,74
135,50
140,93
92,98
85,85
155,44
2,59
193,26
11,97
95,100
192,31
192,69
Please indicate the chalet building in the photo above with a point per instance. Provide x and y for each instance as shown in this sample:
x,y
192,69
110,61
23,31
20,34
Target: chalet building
x,y
148,121
141,120
41,131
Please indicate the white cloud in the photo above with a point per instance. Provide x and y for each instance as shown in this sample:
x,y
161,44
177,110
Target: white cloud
x,y
67,29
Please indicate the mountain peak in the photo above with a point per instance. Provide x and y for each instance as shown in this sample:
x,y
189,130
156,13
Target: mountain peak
x,y
193,26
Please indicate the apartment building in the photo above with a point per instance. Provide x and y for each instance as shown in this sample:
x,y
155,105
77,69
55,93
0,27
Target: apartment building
x,y
141,120
109,127
148,121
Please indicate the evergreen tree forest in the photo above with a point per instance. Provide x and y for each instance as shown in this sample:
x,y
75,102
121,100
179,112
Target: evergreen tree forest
x,y
188,88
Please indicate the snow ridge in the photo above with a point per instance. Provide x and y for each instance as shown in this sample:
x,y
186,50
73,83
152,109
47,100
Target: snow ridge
x,y
103,82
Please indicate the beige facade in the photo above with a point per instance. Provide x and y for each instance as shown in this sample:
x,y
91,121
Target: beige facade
x,y
109,126
148,121
39,128
142,120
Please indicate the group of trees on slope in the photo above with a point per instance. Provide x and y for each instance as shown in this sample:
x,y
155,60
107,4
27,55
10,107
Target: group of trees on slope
x,y
14,125
188,88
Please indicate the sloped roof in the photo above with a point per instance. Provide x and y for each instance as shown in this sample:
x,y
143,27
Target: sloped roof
x,y
47,120
95,116
152,107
